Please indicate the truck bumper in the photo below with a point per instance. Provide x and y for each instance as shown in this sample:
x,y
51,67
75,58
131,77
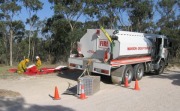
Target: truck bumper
x,y
94,65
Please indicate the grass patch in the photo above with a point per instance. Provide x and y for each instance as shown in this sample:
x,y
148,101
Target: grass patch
x,y
5,74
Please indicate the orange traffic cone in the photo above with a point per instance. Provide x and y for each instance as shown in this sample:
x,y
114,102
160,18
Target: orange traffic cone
x,y
56,94
136,87
82,95
126,82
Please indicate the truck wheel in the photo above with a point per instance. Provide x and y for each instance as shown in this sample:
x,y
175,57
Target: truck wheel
x,y
128,72
161,68
138,71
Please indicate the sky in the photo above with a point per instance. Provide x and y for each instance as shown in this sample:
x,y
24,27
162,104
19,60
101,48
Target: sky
x,y
46,12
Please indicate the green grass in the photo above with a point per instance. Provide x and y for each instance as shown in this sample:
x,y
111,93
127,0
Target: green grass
x,y
5,74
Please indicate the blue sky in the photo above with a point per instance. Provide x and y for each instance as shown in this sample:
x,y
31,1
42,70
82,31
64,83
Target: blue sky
x,y
46,12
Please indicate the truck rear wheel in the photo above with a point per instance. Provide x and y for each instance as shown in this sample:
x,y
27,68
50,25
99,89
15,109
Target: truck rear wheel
x,y
118,75
138,71
128,72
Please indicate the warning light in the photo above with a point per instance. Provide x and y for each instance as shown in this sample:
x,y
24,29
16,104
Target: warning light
x,y
98,32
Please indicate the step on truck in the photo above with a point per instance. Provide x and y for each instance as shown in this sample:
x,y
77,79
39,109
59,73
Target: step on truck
x,y
121,54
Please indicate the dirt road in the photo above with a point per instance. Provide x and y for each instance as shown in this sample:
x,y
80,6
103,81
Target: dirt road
x,y
157,93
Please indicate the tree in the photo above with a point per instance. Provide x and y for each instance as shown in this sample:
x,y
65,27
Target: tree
x,y
108,12
33,21
169,21
3,44
9,9
19,36
72,11
32,6
59,36
140,14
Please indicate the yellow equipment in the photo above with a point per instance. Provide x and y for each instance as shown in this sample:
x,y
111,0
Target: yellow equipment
x,y
106,34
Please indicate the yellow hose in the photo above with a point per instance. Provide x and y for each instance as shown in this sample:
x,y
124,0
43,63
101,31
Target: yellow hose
x,y
106,34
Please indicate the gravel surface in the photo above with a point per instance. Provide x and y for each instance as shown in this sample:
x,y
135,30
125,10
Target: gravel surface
x,y
157,93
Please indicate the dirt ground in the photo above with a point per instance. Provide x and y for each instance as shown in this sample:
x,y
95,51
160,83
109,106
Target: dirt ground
x,y
35,93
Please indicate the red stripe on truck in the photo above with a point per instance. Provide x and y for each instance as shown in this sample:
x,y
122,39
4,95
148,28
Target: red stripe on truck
x,y
131,60
138,48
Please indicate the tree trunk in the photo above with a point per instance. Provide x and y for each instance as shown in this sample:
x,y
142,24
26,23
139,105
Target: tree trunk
x,y
72,29
32,53
29,46
11,43
30,35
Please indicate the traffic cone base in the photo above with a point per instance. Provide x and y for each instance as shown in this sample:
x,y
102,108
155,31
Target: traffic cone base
x,y
82,95
126,82
136,87
56,94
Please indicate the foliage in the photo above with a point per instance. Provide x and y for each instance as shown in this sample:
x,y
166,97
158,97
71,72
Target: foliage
x,y
169,22
8,9
140,14
108,12
32,6
61,36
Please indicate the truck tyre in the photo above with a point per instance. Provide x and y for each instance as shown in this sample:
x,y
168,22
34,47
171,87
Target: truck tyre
x,y
128,72
138,71
161,68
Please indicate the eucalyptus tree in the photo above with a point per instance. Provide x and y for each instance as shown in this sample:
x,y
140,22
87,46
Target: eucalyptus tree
x,y
9,9
32,7
18,36
3,44
37,39
72,10
20,51
107,12
33,33
169,22
140,14
59,36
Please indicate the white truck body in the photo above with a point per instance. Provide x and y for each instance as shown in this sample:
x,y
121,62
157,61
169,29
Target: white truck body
x,y
128,44
130,48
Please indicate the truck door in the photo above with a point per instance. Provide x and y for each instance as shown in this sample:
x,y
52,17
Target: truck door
x,y
161,49
158,44
165,51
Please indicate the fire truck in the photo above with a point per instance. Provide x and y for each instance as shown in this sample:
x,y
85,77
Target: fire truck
x,y
121,54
